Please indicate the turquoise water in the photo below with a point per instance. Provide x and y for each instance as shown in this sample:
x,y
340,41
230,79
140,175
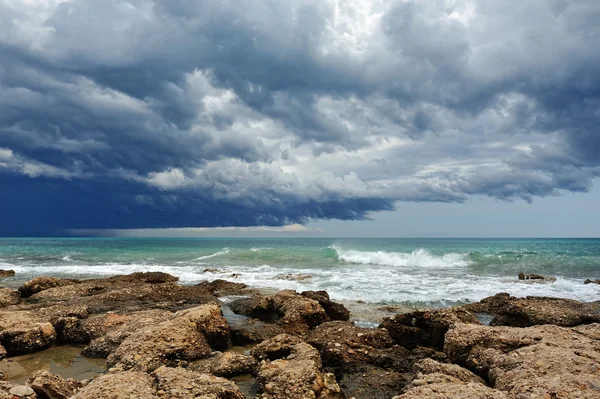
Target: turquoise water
x,y
421,272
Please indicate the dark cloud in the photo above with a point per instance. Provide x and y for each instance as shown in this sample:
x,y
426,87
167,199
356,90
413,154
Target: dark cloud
x,y
147,114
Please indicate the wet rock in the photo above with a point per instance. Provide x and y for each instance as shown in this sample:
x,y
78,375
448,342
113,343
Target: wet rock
x,y
124,385
535,362
295,313
253,331
335,311
188,336
373,383
223,287
538,277
530,311
22,332
292,277
112,329
588,281
427,327
228,364
178,383
297,374
8,297
42,283
144,277
51,386
6,273
22,391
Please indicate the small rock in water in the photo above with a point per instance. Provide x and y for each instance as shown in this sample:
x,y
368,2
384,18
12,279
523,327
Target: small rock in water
x,y
588,281
21,391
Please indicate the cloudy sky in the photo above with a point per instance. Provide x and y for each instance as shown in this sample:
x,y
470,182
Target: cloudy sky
x,y
430,117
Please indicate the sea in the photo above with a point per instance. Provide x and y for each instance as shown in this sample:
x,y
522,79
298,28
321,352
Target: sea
x,y
406,272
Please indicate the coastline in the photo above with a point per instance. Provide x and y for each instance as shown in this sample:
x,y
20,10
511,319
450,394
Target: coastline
x,y
231,339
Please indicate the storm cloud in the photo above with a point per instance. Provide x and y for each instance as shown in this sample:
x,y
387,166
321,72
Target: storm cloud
x,y
157,114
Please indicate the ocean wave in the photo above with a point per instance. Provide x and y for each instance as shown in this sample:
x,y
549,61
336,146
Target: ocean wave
x,y
259,249
225,251
418,258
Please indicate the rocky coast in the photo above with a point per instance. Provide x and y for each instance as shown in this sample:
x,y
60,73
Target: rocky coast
x,y
147,336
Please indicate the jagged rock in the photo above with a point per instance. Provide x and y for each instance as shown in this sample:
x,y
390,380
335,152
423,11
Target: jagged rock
x,y
178,383
536,277
253,331
6,273
188,336
426,327
112,329
429,366
223,287
295,313
534,362
228,364
296,374
530,311
8,297
144,277
3,353
124,385
335,311
22,332
51,386
457,390
588,281
42,283
372,382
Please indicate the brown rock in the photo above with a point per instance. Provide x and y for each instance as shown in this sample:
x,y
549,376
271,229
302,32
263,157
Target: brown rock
x,y
537,277
429,366
6,273
295,313
228,364
186,337
144,277
223,287
588,281
373,383
298,374
51,386
124,385
275,348
3,353
426,327
539,361
530,311
458,389
178,383
8,297
335,311
292,277
22,332
112,329
42,283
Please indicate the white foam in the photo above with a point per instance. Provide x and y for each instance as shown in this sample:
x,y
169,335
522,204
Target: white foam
x,y
225,251
260,249
418,258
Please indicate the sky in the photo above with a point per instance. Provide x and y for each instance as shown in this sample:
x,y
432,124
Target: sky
x,y
300,117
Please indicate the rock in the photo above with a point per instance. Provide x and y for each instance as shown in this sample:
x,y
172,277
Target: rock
x,y
588,281
295,313
275,348
538,277
335,311
112,329
144,277
292,277
228,364
51,386
223,287
6,273
458,389
8,297
3,353
253,331
42,283
426,327
178,383
533,362
429,366
297,374
124,385
530,311
188,336
22,332
22,391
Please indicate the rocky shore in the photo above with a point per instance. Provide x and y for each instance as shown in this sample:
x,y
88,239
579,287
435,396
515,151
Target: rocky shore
x,y
224,340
